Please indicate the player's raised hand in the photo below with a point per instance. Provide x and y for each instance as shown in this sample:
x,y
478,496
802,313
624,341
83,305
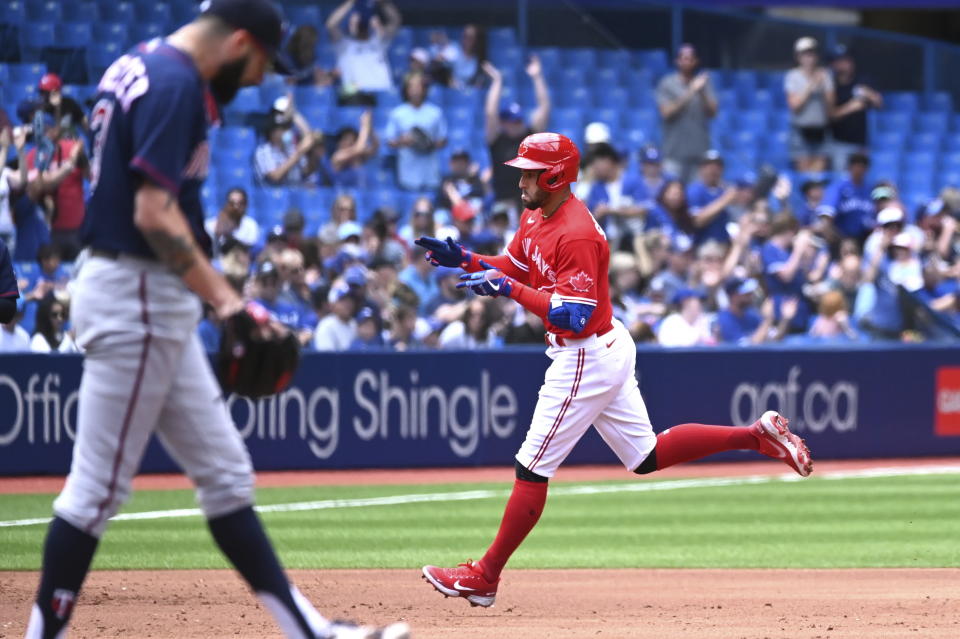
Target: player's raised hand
x,y
443,253
490,282
534,68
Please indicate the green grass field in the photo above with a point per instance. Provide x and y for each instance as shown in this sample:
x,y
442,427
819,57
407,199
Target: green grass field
x,y
905,521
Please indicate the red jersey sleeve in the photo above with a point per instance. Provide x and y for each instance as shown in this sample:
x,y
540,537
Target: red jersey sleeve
x,y
578,272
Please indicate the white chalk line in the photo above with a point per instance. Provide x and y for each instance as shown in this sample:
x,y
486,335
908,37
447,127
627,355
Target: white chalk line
x,y
555,491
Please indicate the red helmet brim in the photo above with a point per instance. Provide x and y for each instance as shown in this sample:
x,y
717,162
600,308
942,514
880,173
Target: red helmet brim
x,y
527,163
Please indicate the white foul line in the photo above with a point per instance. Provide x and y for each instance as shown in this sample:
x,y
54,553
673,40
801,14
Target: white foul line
x,y
472,495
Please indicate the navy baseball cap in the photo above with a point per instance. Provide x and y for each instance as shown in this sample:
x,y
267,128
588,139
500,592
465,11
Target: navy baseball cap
x,y
261,18
650,155
740,286
512,111
686,293
840,51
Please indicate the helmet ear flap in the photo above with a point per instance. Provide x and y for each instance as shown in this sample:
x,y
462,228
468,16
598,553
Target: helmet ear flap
x,y
551,179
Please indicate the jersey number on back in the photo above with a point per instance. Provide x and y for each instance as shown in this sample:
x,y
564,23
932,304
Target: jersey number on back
x,y
126,79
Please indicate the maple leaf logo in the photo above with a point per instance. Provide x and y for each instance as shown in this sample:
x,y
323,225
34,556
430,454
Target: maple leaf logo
x,y
581,282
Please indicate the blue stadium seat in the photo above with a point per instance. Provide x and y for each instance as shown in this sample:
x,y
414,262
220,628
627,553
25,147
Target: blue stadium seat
x,y
615,58
894,121
727,100
464,98
234,176
939,101
549,58
74,34
270,203
754,120
183,11
304,96
236,137
247,100
933,122
745,83
780,120
611,117
315,205
152,11
575,96
579,57
889,140
501,37
80,92
37,35
26,73
319,117
759,100
602,79
920,161
49,11
299,15
12,12
101,57
506,57
655,60
918,182
144,31
113,11
115,32
925,141
80,11
902,101
15,93
949,178
951,161
4,74
403,39
613,98
885,165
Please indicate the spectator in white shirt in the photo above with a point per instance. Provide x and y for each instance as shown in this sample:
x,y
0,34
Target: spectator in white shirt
x,y
362,51
280,160
50,336
13,338
233,221
689,326
337,330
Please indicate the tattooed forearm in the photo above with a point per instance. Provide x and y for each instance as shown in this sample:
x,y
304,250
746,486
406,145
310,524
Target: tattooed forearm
x,y
179,252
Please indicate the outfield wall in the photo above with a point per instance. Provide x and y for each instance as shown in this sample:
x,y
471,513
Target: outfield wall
x,y
472,408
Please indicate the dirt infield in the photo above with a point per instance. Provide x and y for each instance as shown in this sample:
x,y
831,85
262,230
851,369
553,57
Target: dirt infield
x,y
22,485
533,604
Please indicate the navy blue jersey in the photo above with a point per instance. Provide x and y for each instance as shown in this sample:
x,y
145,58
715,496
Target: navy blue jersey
x,y
149,122
8,281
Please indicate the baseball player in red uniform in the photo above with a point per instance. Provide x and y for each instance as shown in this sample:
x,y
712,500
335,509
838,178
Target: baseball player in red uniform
x,y
556,266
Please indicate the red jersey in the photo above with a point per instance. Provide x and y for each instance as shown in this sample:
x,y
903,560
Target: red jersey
x,y
568,256
69,195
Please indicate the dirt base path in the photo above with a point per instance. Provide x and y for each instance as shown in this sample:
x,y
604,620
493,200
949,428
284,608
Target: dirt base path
x,y
533,604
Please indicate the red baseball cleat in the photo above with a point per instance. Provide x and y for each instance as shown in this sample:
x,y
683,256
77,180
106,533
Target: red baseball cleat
x,y
778,442
466,580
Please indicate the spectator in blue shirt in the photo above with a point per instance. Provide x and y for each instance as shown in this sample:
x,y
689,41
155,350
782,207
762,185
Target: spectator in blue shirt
x,y
848,200
353,149
812,191
671,213
300,320
647,185
418,130
938,292
788,262
709,198
418,275
368,336
740,323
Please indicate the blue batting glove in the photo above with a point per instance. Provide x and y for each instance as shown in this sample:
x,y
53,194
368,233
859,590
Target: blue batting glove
x,y
490,282
440,253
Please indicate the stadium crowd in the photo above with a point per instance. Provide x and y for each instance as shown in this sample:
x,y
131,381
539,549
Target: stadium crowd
x,y
820,253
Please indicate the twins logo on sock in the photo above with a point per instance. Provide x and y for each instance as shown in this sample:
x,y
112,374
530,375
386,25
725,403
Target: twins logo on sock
x,y
62,602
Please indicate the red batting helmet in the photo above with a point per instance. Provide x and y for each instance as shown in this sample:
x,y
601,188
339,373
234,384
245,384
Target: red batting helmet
x,y
50,82
554,153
